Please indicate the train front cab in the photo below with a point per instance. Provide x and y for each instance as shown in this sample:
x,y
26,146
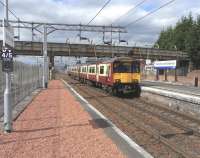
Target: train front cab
x,y
126,77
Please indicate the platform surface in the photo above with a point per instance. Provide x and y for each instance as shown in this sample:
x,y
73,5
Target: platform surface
x,y
174,87
55,125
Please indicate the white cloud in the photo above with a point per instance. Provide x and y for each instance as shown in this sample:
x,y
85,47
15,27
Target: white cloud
x,y
79,11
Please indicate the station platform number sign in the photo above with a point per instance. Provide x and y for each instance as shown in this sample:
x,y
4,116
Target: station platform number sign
x,y
7,59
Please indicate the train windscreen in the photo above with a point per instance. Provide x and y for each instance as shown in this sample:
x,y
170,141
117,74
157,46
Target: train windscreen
x,y
135,67
126,67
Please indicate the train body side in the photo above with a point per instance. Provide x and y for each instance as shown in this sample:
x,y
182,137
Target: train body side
x,y
118,76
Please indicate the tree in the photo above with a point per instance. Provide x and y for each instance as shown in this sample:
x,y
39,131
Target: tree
x,y
185,36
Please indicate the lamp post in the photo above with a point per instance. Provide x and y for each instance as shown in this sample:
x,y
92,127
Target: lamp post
x,y
7,92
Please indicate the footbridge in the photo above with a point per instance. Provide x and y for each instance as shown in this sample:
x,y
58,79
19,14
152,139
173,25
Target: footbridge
x,y
89,50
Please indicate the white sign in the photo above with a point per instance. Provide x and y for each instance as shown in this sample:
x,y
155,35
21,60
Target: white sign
x,y
169,64
8,34
148,62
149,67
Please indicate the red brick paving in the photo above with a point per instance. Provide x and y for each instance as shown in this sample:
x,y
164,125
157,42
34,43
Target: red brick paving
x,y
55,126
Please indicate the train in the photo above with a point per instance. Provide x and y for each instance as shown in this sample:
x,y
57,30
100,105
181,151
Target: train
x,y
119,75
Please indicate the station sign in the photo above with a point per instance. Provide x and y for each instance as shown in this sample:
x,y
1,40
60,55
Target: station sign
x,y
7,60
169,64
8,34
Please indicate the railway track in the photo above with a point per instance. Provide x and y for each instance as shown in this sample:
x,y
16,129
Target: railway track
x,y
186,122
162,132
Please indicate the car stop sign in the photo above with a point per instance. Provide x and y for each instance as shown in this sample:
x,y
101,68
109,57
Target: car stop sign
x,y
7,60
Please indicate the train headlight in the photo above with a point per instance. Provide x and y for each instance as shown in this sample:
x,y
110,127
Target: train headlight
x,y
117,80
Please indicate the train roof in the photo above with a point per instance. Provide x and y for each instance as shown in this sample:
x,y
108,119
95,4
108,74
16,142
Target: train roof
x,y
127,59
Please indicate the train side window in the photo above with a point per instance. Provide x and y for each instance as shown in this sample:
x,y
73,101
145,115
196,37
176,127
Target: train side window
x,y
101,69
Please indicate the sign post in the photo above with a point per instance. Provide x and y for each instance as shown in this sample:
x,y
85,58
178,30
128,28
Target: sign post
x,y
7,67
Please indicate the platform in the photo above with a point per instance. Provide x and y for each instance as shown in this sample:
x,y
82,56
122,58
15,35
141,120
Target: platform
x,y
56,124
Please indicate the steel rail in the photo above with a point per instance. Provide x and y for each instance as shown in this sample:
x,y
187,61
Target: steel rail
x,y
141,126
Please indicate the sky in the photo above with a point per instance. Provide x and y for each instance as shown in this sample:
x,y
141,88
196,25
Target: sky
x,y
142,33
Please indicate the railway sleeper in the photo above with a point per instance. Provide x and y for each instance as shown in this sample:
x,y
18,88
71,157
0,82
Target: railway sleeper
x,y
170,135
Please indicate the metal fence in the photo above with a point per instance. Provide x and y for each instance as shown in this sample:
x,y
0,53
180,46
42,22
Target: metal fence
x,y
24,80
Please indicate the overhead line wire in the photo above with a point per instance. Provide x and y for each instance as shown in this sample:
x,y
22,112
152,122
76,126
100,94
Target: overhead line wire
x,y
12,13
99,11
133,8
152,12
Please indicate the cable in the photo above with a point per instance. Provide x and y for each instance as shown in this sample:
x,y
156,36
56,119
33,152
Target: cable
x,y
130,10
164,5
14,14
10,11
99,11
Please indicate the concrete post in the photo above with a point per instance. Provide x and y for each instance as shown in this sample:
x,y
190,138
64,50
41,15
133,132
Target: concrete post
x,y
7,106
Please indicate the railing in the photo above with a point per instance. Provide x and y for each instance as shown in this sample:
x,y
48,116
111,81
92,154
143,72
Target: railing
x,y
24,80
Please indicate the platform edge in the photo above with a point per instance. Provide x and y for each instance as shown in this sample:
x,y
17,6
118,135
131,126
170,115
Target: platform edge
x,y
127,139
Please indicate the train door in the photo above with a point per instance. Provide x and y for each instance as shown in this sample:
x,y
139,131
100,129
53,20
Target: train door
x,y
108,72
87,72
